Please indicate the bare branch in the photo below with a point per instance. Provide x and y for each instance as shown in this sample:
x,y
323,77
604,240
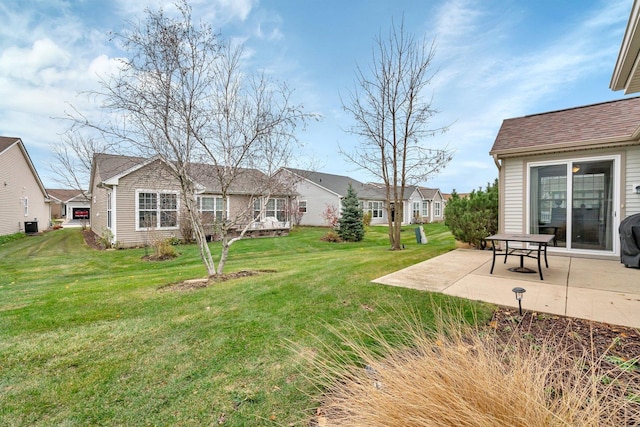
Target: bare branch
x,y
392,118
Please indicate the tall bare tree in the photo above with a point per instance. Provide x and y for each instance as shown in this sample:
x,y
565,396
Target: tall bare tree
x,y
181,96
392,115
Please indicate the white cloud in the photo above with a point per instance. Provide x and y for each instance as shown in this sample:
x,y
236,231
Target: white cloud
x,y
29,63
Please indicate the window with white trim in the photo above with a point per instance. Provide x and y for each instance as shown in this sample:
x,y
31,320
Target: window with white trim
x,y
302,206
416,210
277,208
211,208
157,209
257,207
425,208
26,206
109,210
437,209
375,208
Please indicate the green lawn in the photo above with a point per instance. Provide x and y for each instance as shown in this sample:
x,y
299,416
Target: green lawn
x,y
90,337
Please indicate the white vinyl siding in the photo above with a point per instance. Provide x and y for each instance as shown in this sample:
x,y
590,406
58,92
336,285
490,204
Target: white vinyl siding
x,y
513,196
632,179
17,182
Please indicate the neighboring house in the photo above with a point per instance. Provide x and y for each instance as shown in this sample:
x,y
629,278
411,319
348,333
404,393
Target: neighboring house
x,y
316,191
574,173
430,205
24,205
137,200
69,204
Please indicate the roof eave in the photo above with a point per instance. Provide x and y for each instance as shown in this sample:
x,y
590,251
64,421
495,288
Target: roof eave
x,y
627,68
565,147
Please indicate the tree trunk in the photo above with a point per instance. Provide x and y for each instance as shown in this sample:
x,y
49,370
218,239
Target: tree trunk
x,y
397,224
226,244
200,236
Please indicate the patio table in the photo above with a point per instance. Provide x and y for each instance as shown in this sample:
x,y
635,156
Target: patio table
x,y
541,241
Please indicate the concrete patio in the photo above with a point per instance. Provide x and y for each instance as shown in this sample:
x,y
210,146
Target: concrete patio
x,y
600,290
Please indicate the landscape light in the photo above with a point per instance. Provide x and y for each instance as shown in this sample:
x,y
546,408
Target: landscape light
x,y
519,293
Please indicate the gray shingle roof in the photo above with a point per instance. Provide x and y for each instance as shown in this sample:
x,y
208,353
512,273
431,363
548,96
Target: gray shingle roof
x,y
603,123
340,183
111,165
64,195
6,142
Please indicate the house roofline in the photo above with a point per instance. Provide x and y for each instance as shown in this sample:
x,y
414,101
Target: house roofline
x,y
114,180
23,149
628,61
564,147
313,183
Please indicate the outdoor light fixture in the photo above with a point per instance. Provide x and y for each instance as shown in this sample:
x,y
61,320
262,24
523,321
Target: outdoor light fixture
x,y
519,293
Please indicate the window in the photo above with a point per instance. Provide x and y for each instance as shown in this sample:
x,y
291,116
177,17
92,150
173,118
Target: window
x,y
157,210
375,208
437,211
277,208
416,209
26,206
109,223
302,206
211,208
257,207
575,200
425,208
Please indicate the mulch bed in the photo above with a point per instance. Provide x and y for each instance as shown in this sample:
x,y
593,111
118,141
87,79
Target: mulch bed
x,y
574,334
91,239
614,350
190,285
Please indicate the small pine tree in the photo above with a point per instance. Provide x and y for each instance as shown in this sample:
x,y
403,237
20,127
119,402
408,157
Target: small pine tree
x,y
351,225
475,217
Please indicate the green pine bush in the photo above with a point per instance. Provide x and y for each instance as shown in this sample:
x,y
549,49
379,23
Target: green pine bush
x,y
351,226
471,219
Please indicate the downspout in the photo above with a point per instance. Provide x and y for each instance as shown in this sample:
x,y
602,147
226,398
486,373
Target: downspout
x,y
498,164
114,214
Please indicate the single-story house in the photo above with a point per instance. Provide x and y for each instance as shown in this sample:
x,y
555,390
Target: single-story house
x,y
136,200
69,204
316,191
24,204
427,205
574,173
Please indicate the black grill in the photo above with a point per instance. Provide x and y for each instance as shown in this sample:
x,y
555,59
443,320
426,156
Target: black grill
x,y
630,241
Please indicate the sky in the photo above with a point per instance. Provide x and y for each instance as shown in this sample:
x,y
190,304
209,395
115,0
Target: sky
x,y
494,60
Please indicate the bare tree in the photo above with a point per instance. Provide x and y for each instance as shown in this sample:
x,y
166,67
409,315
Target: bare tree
x,y
182,97
71,163
392,118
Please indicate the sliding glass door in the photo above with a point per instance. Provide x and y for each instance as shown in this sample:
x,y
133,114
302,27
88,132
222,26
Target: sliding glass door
x,y
574,201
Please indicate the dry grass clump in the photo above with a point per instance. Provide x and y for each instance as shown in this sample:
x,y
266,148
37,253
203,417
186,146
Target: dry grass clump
x,y
462,376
